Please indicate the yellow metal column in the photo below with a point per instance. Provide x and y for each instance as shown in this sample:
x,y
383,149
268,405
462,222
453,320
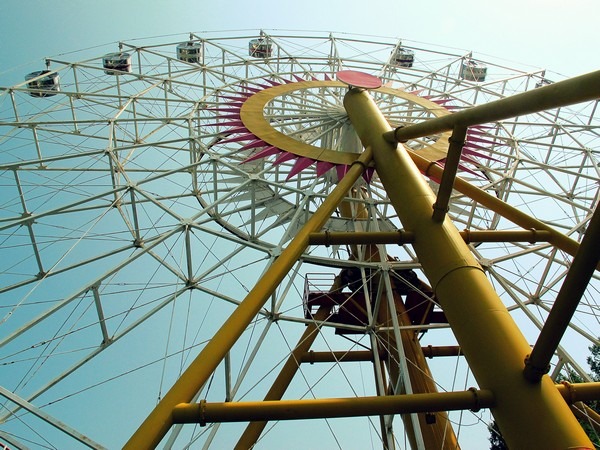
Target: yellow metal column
x,y
529,415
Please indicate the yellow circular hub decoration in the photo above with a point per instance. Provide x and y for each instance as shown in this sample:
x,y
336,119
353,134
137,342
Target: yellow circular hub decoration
x,y
254,119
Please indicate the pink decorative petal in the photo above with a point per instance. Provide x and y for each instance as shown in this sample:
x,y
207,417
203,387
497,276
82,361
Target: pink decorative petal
x,y
468,151
470,160
230,123
481,127
327,77
475,131
228,116
298,78
243,137
251,89
484,141
442,101
234,98
221,109
237,130
323,167
466,169
368,174
341,170
254,144
299,166
268,151
472,145
285,156
442,163
272,82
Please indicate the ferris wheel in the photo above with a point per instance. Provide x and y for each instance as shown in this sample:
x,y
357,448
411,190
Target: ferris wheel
x,y
147,189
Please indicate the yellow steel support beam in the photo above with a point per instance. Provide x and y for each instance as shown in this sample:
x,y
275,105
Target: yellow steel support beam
x,y
442,350
204,412
532,236
516,216
328,238
430,351
313,357
457,141
530,416
566,302
473,399
157,424
574,90
579,392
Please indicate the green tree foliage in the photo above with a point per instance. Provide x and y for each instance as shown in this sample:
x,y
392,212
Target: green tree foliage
x,y
496,440
594,361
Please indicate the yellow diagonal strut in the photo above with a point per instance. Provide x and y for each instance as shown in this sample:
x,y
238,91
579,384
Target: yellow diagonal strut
x,y
530,416
157,424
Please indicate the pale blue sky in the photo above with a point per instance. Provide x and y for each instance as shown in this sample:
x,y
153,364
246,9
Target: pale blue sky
x,y
557,36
